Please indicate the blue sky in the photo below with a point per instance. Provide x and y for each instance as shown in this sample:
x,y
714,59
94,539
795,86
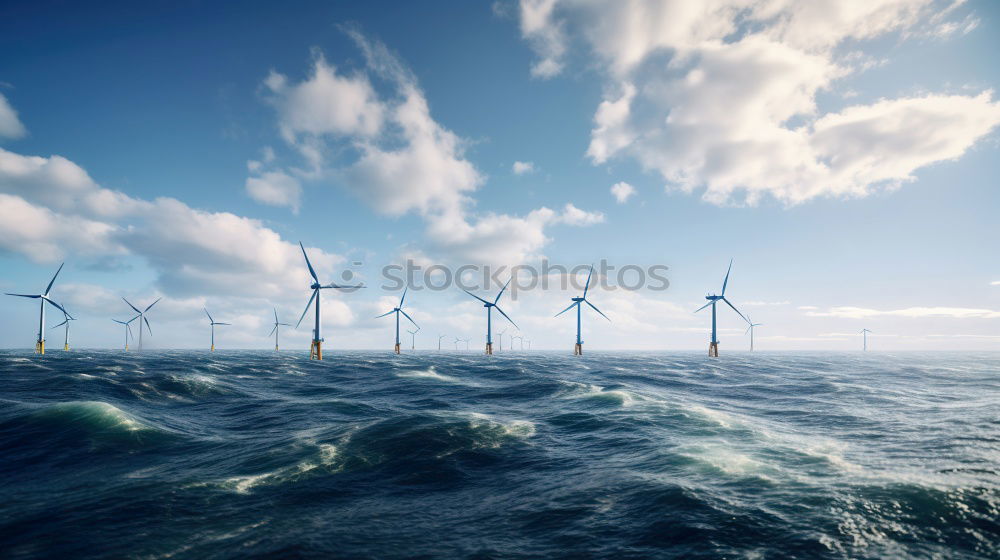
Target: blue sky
x,y
844,154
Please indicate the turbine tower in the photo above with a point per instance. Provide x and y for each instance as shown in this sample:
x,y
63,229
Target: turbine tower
x,y
65,322
864,333
413,338
213,322
143,319
439,341
40,343
578,347
128,329
489,315
750,330
397,310
500,334
316,348
274,331
713,346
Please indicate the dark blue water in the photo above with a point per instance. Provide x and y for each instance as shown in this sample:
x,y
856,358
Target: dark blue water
x,y
369,455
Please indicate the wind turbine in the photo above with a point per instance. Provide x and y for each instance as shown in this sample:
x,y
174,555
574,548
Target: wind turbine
x,y
713,346
128,329
143,319
489,315
40,343
864,333
578,348
413,338
397,310
500,334
274,331
65,322
456,343
213,322
439,341
750,330
316,348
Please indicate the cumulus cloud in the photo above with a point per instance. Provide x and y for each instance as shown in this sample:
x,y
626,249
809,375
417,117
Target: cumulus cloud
x,y
523,167
275,188
394,156
10,124
50,207
622,191
722,95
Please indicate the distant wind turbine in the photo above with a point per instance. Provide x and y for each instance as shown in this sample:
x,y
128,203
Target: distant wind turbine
x,y
578,348
274,331
65,322
143,319
439,341
40,343
128,329
489,315
713,346
750,330
864,333
397,310
457,340
413,338
500,335
213,322
316,348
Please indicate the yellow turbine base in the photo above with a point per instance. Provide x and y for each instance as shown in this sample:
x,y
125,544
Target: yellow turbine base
x,y
126,347
489,348
40,347
275,347
396,348
66,347
316,350
213,348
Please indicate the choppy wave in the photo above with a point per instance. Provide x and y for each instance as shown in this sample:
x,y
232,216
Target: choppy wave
x,y
183,455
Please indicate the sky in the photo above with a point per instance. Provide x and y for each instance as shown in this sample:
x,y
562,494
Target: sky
x,y
843,155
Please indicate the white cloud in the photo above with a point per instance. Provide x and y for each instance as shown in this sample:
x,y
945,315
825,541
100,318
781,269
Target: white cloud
x,y
995,283
622,191
757,303
275,188
10,125
43,235
671,65
523,167
909,312
404,161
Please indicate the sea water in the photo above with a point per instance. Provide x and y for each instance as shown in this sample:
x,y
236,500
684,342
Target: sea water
x,y
190,454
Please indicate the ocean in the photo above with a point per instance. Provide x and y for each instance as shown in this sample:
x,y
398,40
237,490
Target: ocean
x,y
191,454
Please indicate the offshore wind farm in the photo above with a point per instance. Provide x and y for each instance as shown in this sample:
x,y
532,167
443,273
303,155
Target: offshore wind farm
x,y
569,279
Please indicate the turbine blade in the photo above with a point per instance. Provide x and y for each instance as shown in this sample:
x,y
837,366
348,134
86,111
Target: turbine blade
x,y
23,295
567,309
404,296
59,307
502,289
734,309
748,329
587,285
702,307
148,328
384,314
210,319
228,324
129,329
307,307
309,264
132,306
594,307
343,287
726,281
410,318
285,324
275,314
272,330
61,324
475,296
152,304
53,281
505,315
119,322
